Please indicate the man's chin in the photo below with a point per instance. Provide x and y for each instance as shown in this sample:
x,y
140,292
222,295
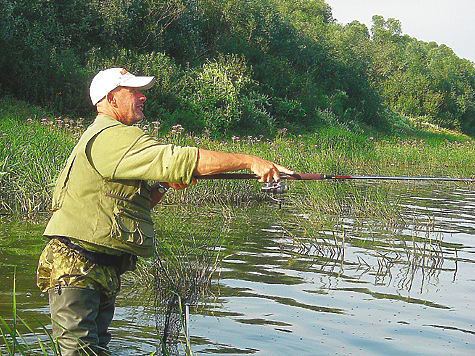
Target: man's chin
x,y
138,119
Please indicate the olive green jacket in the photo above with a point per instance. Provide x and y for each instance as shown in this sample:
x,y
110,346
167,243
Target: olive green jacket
x,y
102,196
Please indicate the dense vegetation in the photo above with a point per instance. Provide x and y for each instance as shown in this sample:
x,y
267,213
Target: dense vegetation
x,y
234,66
27,175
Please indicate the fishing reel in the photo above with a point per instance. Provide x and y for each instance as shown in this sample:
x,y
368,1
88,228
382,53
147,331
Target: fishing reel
x,y
275,188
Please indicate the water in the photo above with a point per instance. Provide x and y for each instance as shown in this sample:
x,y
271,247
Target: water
x,y
388,289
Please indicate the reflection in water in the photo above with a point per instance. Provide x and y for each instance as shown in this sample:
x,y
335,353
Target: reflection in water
x,y
398,254
351,285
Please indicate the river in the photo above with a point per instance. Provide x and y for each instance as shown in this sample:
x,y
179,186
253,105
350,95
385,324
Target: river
x,y
368,288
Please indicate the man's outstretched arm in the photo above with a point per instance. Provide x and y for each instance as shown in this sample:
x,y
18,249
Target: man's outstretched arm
x,y
212,162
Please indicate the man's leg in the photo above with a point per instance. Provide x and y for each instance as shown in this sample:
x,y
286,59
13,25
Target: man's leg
x,y
83,322
103,320
82,296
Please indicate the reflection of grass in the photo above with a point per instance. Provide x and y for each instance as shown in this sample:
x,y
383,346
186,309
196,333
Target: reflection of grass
x,y
22,241
380,245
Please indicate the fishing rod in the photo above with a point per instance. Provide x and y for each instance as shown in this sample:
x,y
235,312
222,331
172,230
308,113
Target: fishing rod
x,y
312,176
279,188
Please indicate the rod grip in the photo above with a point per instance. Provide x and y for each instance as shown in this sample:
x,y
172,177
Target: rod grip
x,y
306,176
295,176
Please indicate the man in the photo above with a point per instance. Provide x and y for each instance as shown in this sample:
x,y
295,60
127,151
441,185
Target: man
x,y
101,206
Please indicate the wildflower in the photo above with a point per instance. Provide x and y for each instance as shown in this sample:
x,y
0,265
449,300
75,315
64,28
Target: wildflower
x,y
177,129
282,131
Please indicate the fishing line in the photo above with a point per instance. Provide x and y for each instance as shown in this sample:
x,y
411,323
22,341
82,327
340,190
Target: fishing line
x,y
314,176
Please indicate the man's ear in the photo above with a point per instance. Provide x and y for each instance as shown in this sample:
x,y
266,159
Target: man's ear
x,y
110,99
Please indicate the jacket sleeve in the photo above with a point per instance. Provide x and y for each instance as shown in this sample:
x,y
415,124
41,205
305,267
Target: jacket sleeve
x,y
126,152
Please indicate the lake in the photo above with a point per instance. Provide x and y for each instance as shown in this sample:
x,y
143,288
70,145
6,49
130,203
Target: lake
x,y
357,286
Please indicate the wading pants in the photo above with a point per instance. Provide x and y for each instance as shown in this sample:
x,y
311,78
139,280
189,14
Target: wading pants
x,y
81,297
80,321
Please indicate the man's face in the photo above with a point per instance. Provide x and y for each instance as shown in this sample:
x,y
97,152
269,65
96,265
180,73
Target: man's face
x,y
129,105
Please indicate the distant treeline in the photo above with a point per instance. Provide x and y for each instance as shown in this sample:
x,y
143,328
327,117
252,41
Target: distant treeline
x,y
234,66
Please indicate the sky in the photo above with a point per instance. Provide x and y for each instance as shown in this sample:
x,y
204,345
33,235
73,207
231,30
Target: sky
x,y
449,22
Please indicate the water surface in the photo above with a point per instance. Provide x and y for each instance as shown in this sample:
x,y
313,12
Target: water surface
x,y
369,288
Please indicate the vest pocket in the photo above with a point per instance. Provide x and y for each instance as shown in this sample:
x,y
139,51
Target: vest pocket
x,y
133,229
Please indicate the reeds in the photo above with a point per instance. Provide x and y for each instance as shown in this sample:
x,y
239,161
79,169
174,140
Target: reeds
x,y
186,256
34,147
32,152
390,251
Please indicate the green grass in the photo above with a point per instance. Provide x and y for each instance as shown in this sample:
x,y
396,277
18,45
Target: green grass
x,y
34,147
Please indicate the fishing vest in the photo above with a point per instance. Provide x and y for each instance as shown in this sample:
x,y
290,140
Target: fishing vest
x,y
88,207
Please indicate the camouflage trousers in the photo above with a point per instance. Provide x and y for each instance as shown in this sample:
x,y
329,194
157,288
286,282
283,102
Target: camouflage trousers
x,y
81,297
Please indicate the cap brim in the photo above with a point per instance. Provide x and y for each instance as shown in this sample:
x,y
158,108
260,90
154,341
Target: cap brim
x,y
139,82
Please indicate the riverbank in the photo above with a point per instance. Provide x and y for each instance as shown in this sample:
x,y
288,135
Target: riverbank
x,y
34,146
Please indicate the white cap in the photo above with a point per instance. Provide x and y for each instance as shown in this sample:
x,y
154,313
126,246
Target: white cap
x,y
109,79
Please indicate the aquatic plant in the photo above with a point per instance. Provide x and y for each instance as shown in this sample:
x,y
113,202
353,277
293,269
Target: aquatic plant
x,y
389,249
13,339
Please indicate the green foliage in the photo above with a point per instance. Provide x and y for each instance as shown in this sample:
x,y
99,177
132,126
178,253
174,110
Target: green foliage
x,y
214,90
215,96
422,79
292,60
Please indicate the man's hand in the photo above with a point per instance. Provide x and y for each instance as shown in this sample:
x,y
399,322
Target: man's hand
x,y
267,171
156,196
213,162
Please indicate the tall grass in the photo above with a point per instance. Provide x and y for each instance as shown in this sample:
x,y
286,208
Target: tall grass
x,y
34,147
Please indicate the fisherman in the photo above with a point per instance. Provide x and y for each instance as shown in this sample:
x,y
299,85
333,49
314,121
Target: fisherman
x,y
102,205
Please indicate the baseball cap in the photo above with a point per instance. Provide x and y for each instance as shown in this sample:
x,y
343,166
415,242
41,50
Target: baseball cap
x,y
109,79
